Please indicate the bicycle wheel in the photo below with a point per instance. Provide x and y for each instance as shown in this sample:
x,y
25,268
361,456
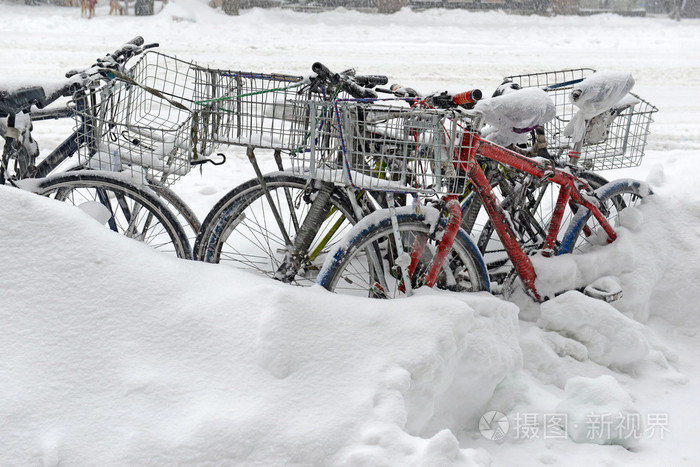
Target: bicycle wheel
x,y
614,197
186,217
124,207
241,230
530,211
369,264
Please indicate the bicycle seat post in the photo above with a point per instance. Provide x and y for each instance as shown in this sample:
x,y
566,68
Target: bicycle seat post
x,y
574,154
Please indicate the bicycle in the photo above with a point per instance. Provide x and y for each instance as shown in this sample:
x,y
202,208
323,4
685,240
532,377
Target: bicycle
x,y
523,198
422,140
613,138
280,224
121,181
371,258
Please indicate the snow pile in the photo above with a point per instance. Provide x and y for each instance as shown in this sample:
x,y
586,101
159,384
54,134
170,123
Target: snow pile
x,y
123,343
598,410
610,338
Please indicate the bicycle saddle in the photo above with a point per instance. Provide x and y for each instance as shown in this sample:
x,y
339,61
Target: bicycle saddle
x,y
514,114
595,95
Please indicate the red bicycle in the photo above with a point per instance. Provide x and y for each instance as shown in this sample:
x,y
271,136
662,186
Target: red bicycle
x,y
395,250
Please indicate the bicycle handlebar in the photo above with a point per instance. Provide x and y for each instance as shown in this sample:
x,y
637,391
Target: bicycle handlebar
x,y
124,49
358,87
369,81
467,97
443,100
324,73
357,91
400,91
20,100
125,52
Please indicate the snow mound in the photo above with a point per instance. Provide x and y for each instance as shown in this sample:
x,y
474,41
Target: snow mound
x,y
553,358
598,410
117,346
611,339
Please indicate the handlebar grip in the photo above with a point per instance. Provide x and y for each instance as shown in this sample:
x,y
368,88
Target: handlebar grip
x,y
321,70
138,40
467,97
127,50
358,92
324,74
371,80
401,91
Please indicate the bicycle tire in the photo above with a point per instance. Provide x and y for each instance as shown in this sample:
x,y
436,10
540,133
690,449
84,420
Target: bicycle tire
x,y
138,213
241,231
348,270
584,230
185,215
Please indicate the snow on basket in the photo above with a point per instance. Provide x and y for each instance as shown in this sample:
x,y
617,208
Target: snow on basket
x,y
142,122
616,133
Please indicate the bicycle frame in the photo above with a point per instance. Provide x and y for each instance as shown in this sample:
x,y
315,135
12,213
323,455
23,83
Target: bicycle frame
x,y
67,148
63,151
474,146
298,243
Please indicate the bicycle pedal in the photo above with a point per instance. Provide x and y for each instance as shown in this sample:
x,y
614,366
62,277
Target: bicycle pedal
x,y
377,291
606,288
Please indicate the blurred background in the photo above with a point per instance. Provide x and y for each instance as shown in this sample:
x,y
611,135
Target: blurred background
x,y
675,8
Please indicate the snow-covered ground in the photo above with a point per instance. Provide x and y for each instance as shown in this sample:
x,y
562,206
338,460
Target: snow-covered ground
x,y
113,354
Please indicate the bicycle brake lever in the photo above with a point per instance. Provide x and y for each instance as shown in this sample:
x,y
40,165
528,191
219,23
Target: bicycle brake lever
x,y
315,84
349,73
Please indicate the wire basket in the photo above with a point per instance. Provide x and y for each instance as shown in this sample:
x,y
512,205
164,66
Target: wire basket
x,y
614,139
260,110
141,122
385,145
319,154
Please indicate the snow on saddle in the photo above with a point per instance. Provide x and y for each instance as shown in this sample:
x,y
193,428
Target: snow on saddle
x,y
599,98
512,115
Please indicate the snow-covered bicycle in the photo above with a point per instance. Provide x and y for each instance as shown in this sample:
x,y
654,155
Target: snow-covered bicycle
x,y
614,137
117,162
280,224
386,254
